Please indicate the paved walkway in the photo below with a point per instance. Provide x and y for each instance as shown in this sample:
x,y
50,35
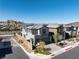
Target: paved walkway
x,y
52,47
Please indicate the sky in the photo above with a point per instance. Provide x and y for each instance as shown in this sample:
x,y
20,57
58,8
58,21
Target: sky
x,y
40,11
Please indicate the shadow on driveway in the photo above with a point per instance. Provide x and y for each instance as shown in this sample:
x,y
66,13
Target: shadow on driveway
x,y
5,51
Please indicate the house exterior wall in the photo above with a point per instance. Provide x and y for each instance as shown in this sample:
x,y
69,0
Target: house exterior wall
x,y
42,36
26,34
44,29
72,31
23,32
57,33
78,30
54,30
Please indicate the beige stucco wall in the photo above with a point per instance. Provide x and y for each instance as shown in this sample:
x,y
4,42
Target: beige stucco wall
x,y
54,30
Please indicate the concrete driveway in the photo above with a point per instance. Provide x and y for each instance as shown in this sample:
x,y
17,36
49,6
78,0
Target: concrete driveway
x,y
17,53
14,52
52,47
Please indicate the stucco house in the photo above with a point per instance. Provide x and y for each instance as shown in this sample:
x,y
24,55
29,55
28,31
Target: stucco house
x,y
54,30
72,28
36,33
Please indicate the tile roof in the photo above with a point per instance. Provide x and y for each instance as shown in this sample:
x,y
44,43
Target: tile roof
x,y
35,26
53,25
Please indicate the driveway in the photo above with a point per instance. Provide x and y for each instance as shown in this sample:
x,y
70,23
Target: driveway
x,y
14,52
17,53
52,47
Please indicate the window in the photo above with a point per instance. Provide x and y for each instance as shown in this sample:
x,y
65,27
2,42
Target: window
x,y
34,31
44,31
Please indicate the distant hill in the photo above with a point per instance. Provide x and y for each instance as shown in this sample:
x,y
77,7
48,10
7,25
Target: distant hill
x,y
13,25
10,25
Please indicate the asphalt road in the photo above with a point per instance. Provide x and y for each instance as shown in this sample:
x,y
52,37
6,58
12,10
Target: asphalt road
x,y
72,54
14,52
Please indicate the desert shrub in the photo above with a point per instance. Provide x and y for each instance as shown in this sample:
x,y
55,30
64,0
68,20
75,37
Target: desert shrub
x,y
71,39
40,49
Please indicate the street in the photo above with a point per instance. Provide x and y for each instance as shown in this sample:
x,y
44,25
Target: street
x,y
72,54
14,52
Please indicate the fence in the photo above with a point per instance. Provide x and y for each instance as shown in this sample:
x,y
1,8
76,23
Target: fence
x,y
22,41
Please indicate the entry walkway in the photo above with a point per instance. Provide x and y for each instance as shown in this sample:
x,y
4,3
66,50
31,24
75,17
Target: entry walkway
x,y
53,47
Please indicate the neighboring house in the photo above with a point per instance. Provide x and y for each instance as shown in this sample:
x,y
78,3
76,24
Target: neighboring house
x,y
54,30
36,33
78,30
72,28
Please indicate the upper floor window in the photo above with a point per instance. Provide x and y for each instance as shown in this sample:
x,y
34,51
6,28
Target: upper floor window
x,y
34,31
44,31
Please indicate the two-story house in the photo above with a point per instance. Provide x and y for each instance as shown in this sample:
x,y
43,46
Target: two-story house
x,y
55,31
72,28
36,33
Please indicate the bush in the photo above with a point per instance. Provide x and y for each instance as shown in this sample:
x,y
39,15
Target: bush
x,y
40,49
71,39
